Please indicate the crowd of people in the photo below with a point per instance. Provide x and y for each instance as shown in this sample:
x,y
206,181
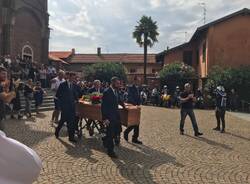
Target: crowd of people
x,y
171,99
68,88
26,78
24,69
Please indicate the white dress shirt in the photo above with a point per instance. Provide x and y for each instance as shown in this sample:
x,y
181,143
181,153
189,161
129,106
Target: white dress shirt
x,y
18,163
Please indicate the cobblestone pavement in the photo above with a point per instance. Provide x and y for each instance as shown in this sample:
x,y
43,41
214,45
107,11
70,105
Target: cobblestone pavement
x,y
165,157
244,116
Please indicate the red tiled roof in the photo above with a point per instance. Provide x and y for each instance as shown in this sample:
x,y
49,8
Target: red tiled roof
x,y
61,54
117,58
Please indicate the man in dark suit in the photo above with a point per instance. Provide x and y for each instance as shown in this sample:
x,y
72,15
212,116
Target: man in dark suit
x,y
111,116
134,99
97,88
67,95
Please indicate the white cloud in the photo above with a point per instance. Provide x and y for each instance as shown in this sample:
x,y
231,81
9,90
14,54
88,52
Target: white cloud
x,y
85,24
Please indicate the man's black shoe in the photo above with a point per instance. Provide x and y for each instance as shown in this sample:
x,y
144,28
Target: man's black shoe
x,y
57,134
19,117
181,132
72,140
136,141
117,140
222,131
216,129
198,134
104,142
112,155
125,135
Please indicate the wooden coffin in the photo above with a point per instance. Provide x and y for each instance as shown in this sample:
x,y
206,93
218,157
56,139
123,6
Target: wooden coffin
x,y
129,116
89,111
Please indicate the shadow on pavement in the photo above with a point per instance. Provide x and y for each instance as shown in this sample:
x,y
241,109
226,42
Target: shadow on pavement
x,y
83,148
238,136
138,166
135,166
23,132
210,142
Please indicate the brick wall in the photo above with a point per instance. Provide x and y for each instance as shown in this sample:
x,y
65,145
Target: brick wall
x,y
27,32
27,24
229,43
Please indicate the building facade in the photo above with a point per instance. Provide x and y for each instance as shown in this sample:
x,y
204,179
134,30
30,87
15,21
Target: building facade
x,y
133,63
24,29
224,42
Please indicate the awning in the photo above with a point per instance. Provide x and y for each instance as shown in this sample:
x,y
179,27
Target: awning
x,y
56,59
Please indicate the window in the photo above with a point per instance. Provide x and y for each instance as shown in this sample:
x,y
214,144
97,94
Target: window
x,y
204,52
27,53
132,70
188,57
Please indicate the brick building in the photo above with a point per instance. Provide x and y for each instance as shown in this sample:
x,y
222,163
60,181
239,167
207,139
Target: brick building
x,y
133,63
24,29
224,42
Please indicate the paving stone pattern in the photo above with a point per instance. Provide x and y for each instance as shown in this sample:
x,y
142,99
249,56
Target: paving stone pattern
x,y
166,157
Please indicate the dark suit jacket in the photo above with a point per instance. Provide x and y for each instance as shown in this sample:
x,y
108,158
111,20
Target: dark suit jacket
x,y
134,95
110,106
68,98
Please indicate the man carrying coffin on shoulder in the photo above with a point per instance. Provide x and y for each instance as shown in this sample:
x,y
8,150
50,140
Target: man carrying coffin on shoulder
x,y
134,99
68,97
111,116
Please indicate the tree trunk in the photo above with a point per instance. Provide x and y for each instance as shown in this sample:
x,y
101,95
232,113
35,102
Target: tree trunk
x,y
145,58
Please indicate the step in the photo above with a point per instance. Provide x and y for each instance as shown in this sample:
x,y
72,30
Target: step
x,y
49,108
42,109
44,101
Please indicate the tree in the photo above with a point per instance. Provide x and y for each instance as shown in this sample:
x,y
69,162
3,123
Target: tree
x,y
176,74
105,71
230,78
146,34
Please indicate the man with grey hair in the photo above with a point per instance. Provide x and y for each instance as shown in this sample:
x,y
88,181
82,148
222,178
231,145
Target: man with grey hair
x,y
97,88
187,99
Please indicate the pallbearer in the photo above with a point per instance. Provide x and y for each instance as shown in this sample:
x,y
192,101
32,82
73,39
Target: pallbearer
x,y
134,99
111,116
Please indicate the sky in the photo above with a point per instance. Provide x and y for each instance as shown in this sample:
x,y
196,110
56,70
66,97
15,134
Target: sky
x,y
88,24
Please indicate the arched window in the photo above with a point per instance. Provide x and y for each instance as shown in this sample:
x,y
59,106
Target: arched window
x,y
27,53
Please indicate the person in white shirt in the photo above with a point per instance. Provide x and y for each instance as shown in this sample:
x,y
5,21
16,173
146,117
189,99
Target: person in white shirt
x,y
55,83
43,76
19,164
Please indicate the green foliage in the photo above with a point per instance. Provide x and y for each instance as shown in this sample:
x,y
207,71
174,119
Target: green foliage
x,y
146,31
105,71
230,78
176,74
145,34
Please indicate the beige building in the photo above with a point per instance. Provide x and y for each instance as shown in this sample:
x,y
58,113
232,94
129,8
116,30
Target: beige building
x,y
133,63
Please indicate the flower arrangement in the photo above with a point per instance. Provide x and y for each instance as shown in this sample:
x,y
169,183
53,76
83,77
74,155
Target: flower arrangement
x,y
94,98
165,97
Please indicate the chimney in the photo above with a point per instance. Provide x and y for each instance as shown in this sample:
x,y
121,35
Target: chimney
x,y
99,51
73,51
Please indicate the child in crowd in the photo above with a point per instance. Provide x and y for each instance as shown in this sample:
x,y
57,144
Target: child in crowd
x,y
38,96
